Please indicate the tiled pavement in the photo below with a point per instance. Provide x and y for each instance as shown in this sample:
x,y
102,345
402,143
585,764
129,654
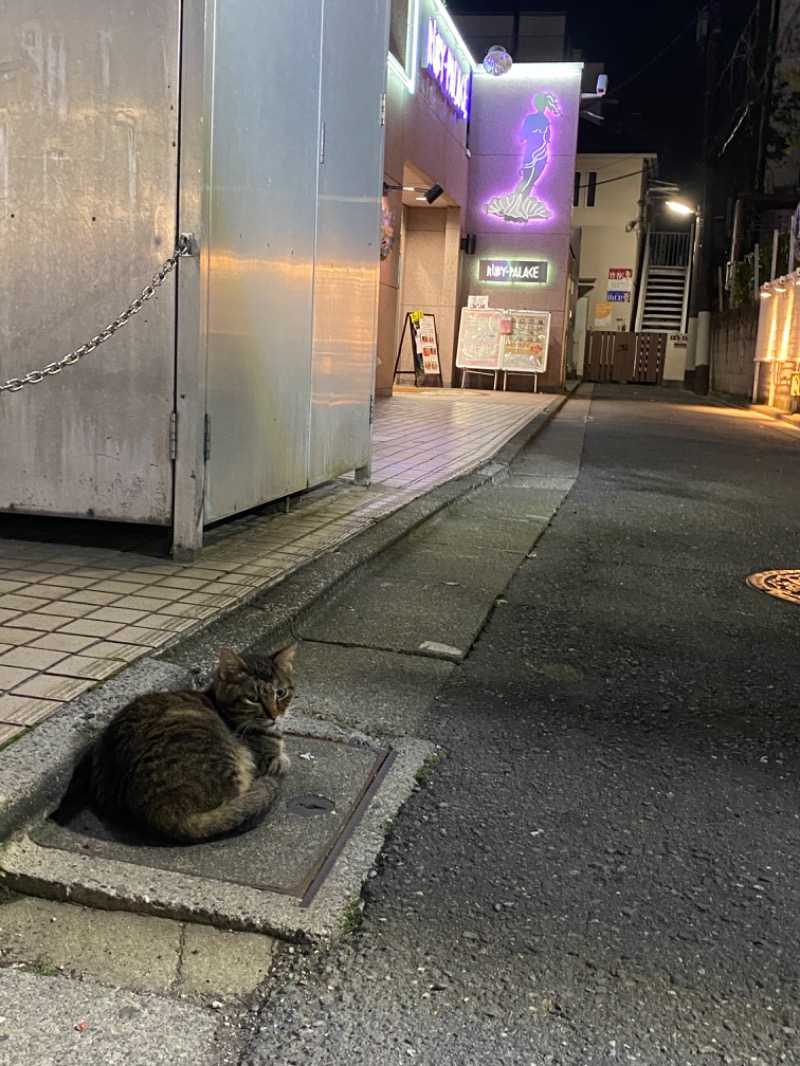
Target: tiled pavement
x,y
71,616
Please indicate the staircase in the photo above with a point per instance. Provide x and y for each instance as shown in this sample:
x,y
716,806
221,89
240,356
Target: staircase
x,y
665,284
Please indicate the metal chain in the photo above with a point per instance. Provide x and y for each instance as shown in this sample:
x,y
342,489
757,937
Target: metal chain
x,y
185,247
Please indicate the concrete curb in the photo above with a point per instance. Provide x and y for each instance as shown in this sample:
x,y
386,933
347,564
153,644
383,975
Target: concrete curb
x,y
35,770
115,885
756,409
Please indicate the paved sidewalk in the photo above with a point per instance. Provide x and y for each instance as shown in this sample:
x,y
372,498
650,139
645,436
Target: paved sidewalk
x,y
72,616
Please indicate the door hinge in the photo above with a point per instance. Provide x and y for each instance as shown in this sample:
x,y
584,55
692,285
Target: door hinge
x,y
383,109
207,438
371,409
322,143
173,435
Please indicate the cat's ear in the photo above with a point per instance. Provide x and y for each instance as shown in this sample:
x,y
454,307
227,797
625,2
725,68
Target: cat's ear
x,y
230,664
284,658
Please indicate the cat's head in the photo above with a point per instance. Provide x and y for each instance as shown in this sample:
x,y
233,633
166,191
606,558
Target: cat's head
x,y
255,687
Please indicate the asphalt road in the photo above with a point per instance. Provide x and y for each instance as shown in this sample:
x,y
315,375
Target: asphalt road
x,y
605,867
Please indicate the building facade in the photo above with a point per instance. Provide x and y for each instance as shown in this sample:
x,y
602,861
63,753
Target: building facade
x,y
501,153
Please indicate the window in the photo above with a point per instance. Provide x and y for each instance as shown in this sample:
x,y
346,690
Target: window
x,y
576,190
591,188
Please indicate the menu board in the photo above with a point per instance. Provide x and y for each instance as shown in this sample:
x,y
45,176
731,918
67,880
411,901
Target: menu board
x,y
525,347
480,342
425,340
513,341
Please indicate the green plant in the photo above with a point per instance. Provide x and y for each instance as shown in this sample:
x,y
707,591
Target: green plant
x,y
743,286
428,766
389,827
41,968
353,917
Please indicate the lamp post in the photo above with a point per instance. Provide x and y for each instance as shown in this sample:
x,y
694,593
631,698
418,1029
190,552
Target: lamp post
x,y
698,326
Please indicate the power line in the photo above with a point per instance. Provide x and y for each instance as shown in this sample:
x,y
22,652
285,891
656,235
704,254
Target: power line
x,y
655,59
607,181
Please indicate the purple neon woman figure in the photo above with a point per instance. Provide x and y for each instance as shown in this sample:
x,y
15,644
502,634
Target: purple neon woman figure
x,y
522,204
535,135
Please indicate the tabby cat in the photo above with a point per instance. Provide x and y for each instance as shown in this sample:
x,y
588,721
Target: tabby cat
x,y
190,766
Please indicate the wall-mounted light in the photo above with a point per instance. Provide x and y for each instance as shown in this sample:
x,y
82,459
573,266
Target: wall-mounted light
x,y
468,244
431,194
497,61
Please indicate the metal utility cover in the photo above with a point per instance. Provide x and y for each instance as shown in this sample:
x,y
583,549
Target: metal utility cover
x,y
785,584
320,801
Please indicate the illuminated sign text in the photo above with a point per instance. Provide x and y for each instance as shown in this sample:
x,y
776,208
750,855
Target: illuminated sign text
x,y
513,270
444,67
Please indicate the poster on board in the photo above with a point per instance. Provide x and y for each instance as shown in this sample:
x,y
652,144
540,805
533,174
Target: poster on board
x,y
425,342
514,341
525,347
620,285
480,342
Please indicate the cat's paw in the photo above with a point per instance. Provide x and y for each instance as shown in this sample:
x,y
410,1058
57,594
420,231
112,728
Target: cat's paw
x,y
279,766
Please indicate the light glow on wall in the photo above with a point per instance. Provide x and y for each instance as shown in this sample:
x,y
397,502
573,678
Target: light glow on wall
x,y
444,16
408,75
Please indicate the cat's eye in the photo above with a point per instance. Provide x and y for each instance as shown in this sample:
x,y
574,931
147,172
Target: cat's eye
x,y
280,693
252,700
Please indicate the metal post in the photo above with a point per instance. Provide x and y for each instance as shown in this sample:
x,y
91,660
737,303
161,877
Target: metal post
x,y
691,324
774,264
705,283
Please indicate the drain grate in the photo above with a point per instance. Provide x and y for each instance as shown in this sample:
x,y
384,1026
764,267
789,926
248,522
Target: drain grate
x,y
785,584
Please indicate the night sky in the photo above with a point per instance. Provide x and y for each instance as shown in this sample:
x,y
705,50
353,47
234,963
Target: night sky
x,y
659,97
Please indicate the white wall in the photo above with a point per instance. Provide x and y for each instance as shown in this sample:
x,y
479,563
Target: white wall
x,y
604,243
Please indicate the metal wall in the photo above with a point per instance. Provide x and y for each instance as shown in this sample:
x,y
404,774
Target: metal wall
x,y
88,181
347,261
292,265
270,152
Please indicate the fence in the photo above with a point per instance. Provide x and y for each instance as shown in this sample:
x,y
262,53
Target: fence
x,y
626,357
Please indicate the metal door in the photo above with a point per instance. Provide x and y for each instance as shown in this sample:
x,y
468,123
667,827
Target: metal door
x,y
88,171
348,227
263,143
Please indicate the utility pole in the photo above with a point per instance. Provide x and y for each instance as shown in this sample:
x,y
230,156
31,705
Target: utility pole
x,y
702,288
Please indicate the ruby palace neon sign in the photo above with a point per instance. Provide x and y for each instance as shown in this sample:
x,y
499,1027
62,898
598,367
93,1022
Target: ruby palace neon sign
x,y
444,67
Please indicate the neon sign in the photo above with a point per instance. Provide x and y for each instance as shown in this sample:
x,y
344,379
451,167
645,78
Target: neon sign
x,y
444,68
522,204
529,270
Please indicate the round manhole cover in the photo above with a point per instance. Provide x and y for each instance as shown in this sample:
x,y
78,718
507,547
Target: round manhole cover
x,y
785,584
309,805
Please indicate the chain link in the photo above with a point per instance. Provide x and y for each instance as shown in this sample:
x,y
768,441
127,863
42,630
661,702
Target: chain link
x,y
35,376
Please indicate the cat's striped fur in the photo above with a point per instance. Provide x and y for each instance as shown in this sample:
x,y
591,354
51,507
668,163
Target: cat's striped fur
x,y
185,767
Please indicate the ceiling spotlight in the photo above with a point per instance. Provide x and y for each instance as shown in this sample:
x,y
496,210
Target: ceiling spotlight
x,y
497,61
431,194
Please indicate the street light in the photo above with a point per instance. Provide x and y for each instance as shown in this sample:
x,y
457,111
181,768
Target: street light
x,y
698,326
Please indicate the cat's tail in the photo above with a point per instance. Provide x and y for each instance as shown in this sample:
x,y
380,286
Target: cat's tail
x,y
235,816
77,792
